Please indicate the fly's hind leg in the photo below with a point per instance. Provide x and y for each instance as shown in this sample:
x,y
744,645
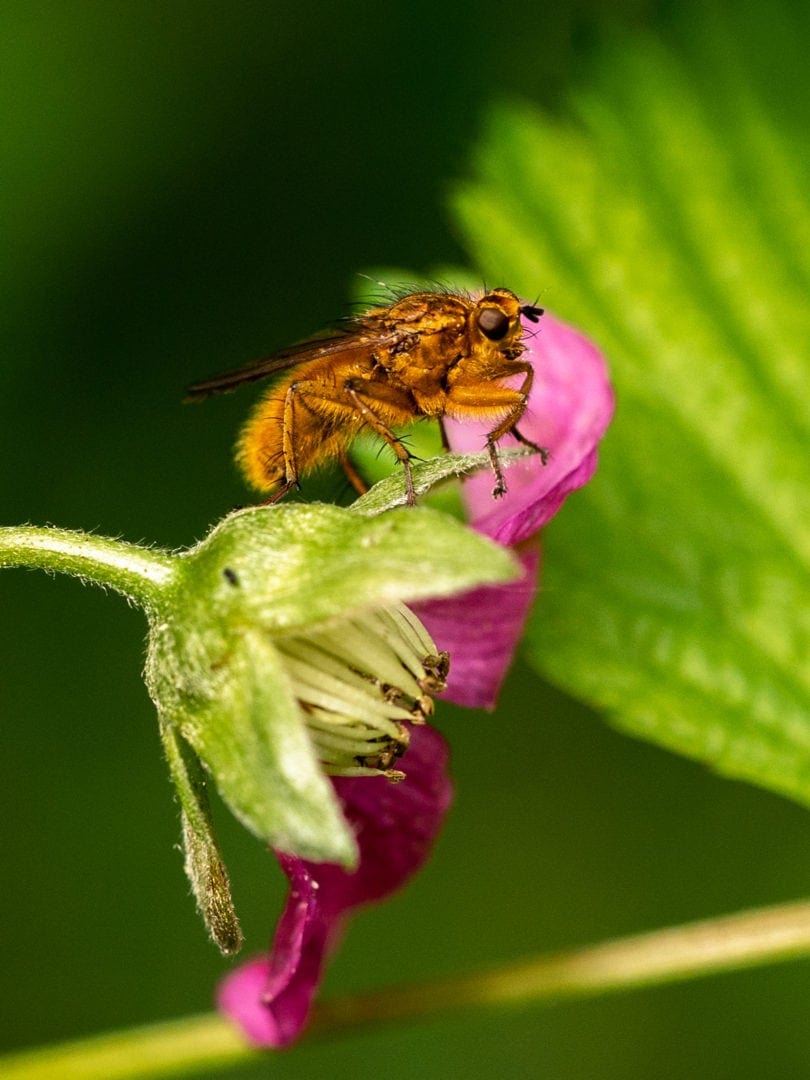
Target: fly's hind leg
x,y
278,494
331,415
352,475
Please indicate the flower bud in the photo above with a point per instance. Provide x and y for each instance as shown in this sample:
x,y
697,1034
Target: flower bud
x,y
287,656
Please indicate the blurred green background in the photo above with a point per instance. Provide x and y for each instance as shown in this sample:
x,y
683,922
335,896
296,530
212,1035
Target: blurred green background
x,y
186,187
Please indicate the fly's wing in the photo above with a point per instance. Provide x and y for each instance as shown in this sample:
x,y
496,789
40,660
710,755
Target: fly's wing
x,y
313,349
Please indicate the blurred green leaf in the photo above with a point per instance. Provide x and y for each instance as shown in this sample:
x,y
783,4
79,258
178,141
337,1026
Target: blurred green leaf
x,y
666,220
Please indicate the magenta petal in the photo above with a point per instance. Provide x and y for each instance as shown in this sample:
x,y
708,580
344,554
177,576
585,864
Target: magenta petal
x,y
569,409
480,629
240,996
270,996
395,825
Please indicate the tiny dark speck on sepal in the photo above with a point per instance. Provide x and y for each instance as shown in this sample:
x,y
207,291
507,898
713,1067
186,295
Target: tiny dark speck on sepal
x,y
230,576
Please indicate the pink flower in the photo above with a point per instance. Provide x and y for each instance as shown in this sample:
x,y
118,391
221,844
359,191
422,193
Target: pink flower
x,y
395,826
569,410
570,407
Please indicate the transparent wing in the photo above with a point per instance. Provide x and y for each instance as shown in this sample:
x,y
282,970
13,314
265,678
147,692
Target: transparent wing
x,y
312,349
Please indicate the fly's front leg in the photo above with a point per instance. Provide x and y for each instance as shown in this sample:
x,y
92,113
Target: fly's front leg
x,y
519,397
495,462
508,426
541,450
483,396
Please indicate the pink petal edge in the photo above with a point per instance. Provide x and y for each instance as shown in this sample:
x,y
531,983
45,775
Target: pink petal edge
x,y
570,407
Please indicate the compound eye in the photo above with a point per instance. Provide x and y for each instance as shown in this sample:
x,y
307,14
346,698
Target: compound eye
x,y
493,323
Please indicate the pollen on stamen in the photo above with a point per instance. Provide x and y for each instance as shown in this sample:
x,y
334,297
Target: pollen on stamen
x,y
360,682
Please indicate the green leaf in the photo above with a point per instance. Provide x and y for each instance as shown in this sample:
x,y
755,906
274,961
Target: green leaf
x,y
663,219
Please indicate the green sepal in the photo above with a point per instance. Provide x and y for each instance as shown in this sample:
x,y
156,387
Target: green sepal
x,y
221,685
251,735
299,565
392,491
218,679
204,866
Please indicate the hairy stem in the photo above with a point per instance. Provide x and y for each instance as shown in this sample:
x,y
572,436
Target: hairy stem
x,y
141,574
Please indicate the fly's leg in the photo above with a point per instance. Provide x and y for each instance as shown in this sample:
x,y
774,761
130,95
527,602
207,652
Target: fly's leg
x,y
278,494
288,440
519,397
500,484
508,426
376,424
443,434
336,413
352,475
298,394
479,396
541,450
492,439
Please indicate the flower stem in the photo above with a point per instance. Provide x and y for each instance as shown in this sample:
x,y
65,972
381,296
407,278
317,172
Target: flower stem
x,y
208,1042
205,1043
141,574
675,954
